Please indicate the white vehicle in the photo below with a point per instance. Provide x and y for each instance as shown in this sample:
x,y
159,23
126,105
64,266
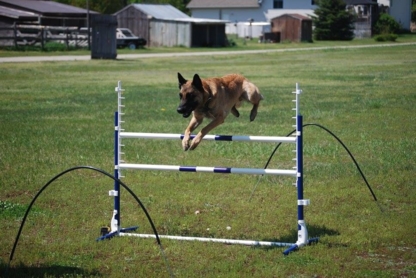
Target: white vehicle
x,y
125,38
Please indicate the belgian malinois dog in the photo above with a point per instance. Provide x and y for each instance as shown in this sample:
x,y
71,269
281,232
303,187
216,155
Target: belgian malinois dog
x,y
213,98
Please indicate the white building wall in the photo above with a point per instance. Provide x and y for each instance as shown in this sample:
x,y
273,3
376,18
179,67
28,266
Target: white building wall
x,y
245,30
232,15
400,10
397,10
241,15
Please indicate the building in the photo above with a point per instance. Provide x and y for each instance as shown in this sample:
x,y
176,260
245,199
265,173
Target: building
x,y
249,18
164,25
293,27
42,13
30,21
244,10
264,10
400,10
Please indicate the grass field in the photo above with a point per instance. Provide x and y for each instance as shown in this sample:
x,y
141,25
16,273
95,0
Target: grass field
x,y
56,115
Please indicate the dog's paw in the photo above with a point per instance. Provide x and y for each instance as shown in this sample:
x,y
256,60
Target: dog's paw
x,y
192,147
185,145
195,142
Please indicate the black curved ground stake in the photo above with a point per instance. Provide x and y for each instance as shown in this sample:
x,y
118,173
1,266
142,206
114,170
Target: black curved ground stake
x,y
73,169
345,147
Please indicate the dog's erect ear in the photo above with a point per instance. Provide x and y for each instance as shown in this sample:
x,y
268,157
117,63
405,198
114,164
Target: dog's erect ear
x,y
197,82
181,80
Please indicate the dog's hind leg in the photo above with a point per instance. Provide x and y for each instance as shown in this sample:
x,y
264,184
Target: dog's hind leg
x,y
235,112
253,96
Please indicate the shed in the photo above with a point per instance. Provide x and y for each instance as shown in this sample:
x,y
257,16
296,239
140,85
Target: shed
x,y
164,25
37,14
293,27
46,13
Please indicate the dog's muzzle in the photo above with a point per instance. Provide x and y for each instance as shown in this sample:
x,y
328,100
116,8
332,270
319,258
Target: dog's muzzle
x,y
185,112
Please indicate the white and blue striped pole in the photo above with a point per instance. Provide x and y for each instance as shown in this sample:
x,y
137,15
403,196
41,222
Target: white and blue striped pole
x,y
244,138
220,170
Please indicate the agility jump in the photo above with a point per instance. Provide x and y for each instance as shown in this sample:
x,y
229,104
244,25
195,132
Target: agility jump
x,y
296,172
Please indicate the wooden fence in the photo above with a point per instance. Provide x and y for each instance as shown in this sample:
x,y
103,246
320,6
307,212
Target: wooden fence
x,y
24,35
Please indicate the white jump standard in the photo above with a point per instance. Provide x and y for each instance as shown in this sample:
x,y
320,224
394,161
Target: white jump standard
x,y
296,172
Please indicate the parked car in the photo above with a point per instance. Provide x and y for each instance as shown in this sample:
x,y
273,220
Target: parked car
x,y
126,38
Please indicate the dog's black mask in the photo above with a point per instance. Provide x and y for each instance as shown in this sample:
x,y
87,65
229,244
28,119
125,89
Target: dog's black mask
x,y
188,98
187,105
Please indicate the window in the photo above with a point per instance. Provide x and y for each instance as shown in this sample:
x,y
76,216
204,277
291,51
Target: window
x,y
278,4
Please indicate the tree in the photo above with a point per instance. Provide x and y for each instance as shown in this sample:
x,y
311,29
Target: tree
x,y
333,21
101,6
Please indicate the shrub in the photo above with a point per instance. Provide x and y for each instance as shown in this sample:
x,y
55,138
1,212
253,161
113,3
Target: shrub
x,y
55,46
386,37
386,24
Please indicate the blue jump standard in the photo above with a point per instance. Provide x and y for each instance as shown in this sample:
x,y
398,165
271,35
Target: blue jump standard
x,y
113,234
295,247
117,187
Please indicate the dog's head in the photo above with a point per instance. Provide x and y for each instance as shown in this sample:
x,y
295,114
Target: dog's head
x,y
191,95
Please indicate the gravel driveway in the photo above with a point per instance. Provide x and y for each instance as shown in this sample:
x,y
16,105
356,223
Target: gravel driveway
x,y
208,53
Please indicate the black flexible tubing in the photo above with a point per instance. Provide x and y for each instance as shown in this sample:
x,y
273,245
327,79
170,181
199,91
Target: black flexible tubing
x,y
339,140
69,170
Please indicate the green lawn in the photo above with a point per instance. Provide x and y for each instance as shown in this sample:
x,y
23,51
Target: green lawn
x,y
57,115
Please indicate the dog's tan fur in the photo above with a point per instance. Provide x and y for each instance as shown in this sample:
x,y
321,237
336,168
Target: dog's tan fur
x,y
213,98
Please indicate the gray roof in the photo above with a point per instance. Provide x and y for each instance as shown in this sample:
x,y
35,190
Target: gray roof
x,y
13,13
360,2
196,4
273,13
42,7
161,11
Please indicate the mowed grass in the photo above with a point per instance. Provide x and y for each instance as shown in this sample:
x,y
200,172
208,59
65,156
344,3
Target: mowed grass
x,y
57,115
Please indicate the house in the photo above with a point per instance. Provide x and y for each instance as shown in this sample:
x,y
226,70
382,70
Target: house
x,y
366,13
249,18
400,10
265,10
244,10
164,25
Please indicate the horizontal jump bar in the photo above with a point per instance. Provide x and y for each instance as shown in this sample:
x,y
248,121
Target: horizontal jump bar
x,y
219,240
221,170
141,135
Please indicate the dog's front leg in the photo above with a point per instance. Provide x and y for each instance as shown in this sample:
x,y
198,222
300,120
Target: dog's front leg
x,y
194,123
198,138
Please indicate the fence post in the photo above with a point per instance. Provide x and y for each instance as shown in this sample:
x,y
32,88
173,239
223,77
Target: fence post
x,y
42,42
67,38
15,34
